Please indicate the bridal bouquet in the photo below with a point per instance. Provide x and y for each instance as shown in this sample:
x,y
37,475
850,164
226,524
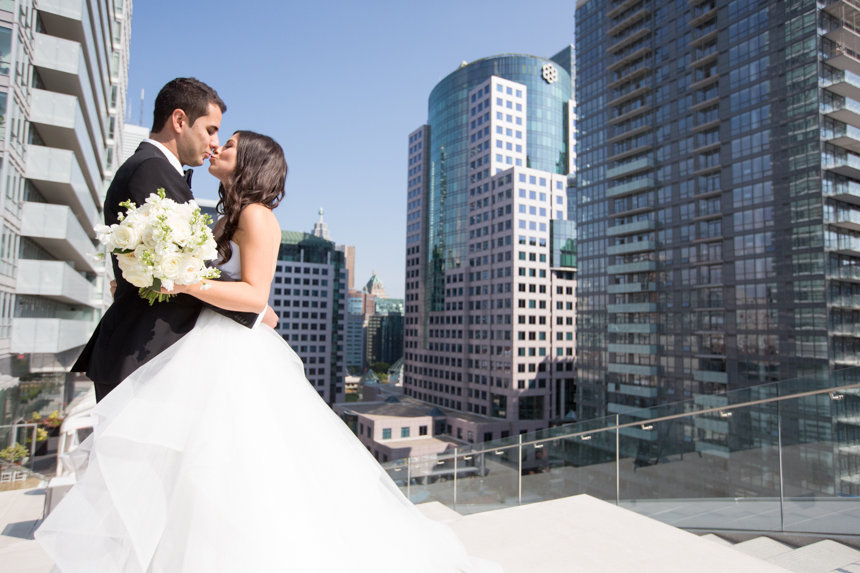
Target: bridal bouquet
x,y
160,244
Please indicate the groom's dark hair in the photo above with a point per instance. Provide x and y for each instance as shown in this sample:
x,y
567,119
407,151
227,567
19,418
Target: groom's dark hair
x,y
188,94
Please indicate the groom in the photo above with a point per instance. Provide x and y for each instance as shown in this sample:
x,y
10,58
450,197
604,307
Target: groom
x,y
185,127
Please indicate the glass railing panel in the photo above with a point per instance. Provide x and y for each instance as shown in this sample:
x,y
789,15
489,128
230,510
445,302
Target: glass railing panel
x,y
561,465
430,478
821,463
488,480
718,470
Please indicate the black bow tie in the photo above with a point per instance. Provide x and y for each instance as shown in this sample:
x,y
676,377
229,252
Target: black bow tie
x,y
188,174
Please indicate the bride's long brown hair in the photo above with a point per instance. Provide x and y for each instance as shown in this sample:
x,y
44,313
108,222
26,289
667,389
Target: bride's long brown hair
x,y
259,177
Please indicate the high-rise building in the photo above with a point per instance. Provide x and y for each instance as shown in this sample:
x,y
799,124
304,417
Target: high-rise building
x,y
62,104
308,295
489,314
717,196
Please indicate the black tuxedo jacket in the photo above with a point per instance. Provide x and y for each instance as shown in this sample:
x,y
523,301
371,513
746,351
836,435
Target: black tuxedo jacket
x,y
132,332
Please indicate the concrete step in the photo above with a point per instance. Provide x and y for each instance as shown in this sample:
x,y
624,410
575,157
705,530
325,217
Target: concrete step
x,y
582,533
822,557
717,539
763,548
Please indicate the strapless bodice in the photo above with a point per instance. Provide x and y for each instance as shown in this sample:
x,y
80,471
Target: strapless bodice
x,y
233,267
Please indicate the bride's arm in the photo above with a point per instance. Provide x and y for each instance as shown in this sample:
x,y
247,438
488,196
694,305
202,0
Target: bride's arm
x,y
256,236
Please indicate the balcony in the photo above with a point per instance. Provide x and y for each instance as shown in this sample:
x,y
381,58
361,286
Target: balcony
x,y
637,267
847,111
627,288
845,84
640,184
55,280
634,348
638,390
624,131
628,22
635,112
844,273
629,74
629,248
704,81
842,52
637,90
619,6
847,164
845,219
702,15
614,408
56,229
63,69
57,176
849,9
630,152
632,328
621,60
48,335
632,228
847,191
631,307
629,37
636,370
630,168
61,124
710,376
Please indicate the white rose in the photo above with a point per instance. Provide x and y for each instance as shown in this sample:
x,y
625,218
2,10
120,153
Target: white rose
x,y
134,272
190,271
151,236
168,267
180,230
125,237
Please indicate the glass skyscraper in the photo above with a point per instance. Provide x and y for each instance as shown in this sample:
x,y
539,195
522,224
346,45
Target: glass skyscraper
x,y
488,319
718,185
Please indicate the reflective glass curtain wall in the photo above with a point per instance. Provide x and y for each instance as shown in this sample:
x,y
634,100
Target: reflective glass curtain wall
x,y
448,113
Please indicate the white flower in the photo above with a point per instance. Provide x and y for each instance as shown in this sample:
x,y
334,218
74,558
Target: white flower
x,y
180,230
191,270
167,284
168,267
152,235
125,237
135,273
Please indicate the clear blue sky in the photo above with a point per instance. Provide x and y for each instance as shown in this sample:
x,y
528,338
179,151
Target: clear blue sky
x,y
339,85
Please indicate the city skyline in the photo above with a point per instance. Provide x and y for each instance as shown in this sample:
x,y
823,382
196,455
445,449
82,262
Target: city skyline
x,y
389,84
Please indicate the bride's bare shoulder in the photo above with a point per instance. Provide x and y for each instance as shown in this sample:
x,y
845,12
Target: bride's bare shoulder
x,y
257,215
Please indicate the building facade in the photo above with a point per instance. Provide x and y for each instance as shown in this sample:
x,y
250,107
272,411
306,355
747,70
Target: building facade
x,y
489,322
63,79
308,295
715,196
718,195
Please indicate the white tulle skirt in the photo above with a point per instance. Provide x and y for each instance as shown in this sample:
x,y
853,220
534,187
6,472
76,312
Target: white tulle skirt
x,y
219,456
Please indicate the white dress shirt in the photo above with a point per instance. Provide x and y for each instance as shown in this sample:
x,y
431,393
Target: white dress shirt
x,y
168,154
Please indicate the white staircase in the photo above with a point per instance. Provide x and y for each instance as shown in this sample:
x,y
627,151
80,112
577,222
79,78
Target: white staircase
x,y
825,556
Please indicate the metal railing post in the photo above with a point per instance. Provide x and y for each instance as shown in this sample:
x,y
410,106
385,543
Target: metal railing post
x,y
617,461
455,478
520,472
781,486
33,448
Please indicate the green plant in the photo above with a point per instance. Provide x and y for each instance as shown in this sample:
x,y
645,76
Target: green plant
x,y
14,453
41,435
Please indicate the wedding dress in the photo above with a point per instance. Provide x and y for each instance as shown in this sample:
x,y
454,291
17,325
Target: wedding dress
x,y
219,456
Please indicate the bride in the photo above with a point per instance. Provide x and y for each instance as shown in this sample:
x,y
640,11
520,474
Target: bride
x,y
219,456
